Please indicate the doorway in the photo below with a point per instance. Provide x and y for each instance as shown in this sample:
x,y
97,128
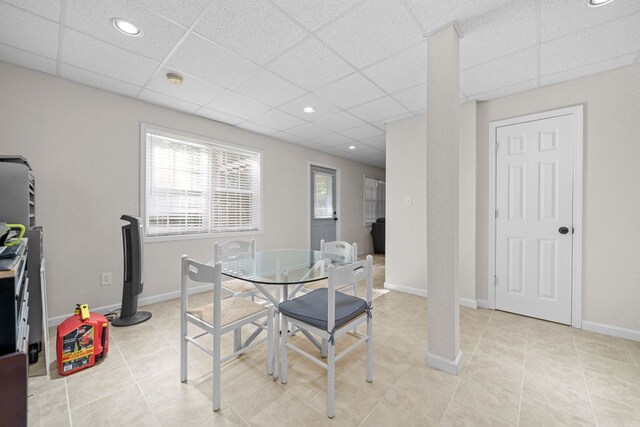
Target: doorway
x,y
324,205
537,176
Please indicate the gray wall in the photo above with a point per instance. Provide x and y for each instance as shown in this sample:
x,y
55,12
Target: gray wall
x,y
84,147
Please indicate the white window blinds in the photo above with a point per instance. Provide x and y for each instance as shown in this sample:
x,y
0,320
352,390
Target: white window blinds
x,y
198,187
374,199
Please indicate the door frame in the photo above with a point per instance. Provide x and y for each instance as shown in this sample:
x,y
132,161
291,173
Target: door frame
x,y
309,195
576,274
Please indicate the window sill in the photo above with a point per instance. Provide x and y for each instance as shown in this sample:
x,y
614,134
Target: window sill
x,y
213,236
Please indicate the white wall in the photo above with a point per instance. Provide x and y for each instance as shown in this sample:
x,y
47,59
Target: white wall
x,y
467,202
611,199
406,225
83,145
406,228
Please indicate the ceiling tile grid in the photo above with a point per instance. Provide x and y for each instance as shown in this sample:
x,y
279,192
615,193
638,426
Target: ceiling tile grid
x,y
93,18
255,29
360,63
29,32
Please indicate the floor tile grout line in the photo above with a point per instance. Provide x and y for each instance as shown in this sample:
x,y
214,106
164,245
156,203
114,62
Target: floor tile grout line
x,y
135,380
524,370
66,391
584,377
455,390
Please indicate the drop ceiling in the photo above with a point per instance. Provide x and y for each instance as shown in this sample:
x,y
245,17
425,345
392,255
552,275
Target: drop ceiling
x,y
255,64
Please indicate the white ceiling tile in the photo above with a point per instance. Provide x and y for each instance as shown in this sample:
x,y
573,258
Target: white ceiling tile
x,y
255,29
100,57
309,131
159,36
363,132
384,122
27,31
313,14
505,71
26,59
361,150
257,128
184,12
498,33
96,80
278,120
49,9
237,105
507,90
322,106
402,71
433,14
590,69
561,18
378,142
283,136
352,90
191,90
338,121
167,101
201,58
414,99
379,109
268,88
310,65
596,44
219,116
333,139
374,30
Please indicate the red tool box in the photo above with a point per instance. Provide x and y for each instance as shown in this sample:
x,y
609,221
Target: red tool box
x,y
82,339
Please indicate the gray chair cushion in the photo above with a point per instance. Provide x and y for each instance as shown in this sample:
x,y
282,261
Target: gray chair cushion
x,y
312,308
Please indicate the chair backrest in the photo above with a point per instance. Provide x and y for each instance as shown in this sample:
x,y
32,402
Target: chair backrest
x,y
346,275
201,273
339,250
234,248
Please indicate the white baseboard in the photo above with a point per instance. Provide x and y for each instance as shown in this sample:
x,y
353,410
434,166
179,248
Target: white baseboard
x,y
466,302
483,303
614,331
406,289
55,321
448,366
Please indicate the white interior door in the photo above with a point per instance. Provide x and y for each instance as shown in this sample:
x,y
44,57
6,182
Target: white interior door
x,y
534,230
323,206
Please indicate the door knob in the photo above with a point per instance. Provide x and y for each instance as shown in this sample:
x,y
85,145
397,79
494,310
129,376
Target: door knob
x,y
563,230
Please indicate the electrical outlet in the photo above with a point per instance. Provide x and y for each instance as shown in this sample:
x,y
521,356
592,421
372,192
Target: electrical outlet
x,y
106,279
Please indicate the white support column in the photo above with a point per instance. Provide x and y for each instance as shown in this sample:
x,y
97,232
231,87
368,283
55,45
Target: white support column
x,y
443,198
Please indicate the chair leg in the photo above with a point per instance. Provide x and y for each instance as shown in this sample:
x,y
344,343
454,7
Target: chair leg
x,y
216,370
331,380
283,349
323,350
270,341
237,339
369,349
183,349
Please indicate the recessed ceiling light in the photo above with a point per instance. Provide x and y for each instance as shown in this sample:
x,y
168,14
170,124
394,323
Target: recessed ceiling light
x,y
309,109
174,79
126,27
596,3
352,147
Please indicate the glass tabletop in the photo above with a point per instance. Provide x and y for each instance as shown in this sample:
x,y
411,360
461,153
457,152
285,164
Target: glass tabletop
x,y
281,266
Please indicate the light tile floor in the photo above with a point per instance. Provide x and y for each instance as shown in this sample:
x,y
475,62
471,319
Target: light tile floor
x,y
517,371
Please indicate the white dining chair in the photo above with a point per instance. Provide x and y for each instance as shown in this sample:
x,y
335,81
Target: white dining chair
x,y
336,250
219,317
236,248
329,315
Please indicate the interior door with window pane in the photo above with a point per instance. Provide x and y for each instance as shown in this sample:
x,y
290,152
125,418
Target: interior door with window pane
x,y
323,206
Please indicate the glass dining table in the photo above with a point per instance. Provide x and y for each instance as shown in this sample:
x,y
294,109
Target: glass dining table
x,y
279,274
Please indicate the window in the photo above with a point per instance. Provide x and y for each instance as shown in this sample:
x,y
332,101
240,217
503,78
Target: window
x,y
323,192
199,187
374,199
